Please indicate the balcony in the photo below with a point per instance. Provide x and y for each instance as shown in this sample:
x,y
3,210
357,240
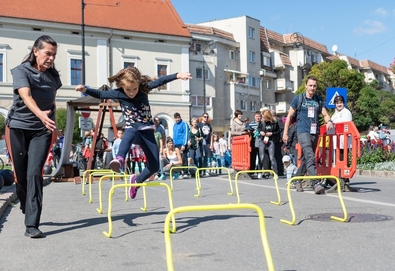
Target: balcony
x,y
284,85
282,107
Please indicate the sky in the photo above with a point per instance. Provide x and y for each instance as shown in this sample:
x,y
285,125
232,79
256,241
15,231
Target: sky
x,y
360,29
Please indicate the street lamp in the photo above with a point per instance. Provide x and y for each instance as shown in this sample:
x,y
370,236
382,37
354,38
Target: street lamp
x,y
297,40
83,4
211,44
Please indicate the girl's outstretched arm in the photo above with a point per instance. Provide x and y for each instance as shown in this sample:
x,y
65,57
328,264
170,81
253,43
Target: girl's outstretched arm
x,y
168,78
100,94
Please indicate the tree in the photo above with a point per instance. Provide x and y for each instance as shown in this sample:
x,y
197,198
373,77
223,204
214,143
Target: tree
x,y
392,66
2,125
61,118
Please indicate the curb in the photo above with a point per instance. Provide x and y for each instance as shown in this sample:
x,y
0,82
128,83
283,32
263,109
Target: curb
x,y
7,196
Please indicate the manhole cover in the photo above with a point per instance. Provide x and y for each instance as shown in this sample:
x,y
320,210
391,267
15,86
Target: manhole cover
x,y
352,217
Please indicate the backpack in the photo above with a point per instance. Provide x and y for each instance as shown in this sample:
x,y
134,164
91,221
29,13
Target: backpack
x,y
300,101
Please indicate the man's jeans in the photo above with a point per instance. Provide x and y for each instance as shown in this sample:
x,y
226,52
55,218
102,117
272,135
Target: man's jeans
x,y
308,144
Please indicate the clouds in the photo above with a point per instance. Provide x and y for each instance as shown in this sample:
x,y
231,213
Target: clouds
x,y
371,27
382,12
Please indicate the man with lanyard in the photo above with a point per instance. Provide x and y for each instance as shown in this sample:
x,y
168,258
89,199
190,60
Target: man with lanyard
x,y
207,140
181,137
308,128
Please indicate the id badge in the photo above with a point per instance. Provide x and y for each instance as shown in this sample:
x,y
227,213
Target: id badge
x,y
313,128
310,112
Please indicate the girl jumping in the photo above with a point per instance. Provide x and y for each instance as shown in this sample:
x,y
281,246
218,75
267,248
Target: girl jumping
x,y
132,93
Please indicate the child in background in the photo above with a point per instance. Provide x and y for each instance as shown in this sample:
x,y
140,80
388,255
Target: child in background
x,y
132,93
216,161
136,157
191,163
291,170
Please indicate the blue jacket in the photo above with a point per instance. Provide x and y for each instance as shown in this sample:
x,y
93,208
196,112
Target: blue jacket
x,y
181,133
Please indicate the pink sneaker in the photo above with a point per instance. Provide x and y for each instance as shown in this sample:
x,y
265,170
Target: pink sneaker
x,y
117,164
133,189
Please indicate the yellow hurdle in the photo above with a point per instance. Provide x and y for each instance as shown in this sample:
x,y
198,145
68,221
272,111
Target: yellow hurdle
x,y
124,176
259,171
262,228
199,185
97,173
144,185
310,178
178,167
85,173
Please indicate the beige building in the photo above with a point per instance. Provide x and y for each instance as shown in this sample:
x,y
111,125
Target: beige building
x,y
115,37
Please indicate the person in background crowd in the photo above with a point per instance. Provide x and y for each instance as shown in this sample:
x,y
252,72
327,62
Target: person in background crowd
x,y
195,145
204,124
290,146
171,158
269,132
216,154
342,114
278,146
181,137
255,143
160,129
30,126
223,148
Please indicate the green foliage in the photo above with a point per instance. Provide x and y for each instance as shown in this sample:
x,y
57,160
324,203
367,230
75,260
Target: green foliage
x,y
61,118
2,125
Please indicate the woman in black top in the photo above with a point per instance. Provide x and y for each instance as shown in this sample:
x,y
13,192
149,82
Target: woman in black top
x,y
195,143
269,132
30,126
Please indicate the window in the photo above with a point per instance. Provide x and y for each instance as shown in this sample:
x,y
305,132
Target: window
x,y
76,71
1,67
231,55
199,74
128,64
266,61
251,32
253,106
243,105
251,56
197,100
162,71
268,84
253,81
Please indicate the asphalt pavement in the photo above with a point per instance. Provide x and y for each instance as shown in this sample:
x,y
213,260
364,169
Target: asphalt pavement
x,y
207,240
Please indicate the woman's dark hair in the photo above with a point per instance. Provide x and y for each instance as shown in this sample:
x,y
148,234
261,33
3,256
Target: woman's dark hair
x,y
339,98
169,139
39,44
237,113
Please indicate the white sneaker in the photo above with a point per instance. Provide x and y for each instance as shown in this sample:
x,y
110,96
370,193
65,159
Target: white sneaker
x,y
207,174
259,175
185,176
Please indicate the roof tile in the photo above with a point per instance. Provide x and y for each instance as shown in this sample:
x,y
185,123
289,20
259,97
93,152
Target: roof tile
x,y
151,16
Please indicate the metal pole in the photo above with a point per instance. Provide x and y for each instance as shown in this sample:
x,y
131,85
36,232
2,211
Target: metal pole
x,y
204,87
83,40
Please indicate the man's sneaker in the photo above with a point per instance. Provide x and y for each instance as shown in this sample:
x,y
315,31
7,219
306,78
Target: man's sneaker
x,y
298,185
162,177
185,176
117,164
33,232
318,188
133,189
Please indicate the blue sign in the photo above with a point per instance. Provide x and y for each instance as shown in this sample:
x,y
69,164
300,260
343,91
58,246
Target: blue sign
x,y
331,93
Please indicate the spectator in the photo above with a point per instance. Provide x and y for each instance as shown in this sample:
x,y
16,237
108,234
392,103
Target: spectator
x,y
181,137
171,157
255,143
278,146
216,154
195,145
224,149
207,141
290,168
308,111
290,146
269,132
342,114
117,143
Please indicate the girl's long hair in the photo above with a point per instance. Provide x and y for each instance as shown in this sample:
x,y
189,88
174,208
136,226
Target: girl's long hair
x,y
132,75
